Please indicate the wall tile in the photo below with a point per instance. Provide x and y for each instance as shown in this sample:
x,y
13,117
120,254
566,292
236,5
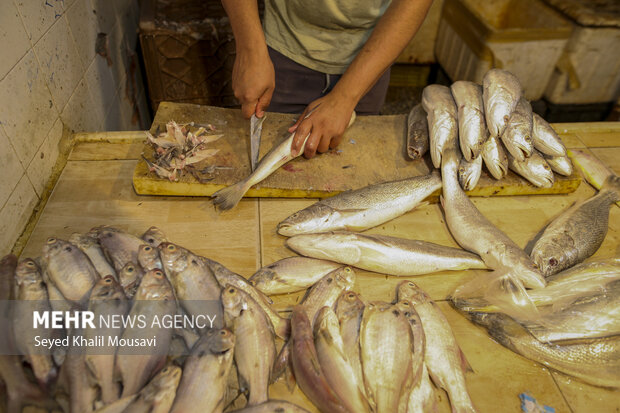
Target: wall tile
x,y
12,168
59,60
81,114
106,15
101,83
39,15
83,22
118,54
145,114
130,119
114,120
15,213
13,37
41,166
27,111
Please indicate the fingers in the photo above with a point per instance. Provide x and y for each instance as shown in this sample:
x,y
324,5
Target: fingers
x,y
263,102
324,145
335,141
248,109
300,119
311,145
302,130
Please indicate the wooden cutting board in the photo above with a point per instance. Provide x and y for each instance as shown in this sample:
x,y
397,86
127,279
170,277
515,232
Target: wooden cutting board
x,y
372,151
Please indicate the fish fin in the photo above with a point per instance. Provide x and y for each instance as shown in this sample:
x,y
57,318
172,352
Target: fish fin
x,y
281,362
283,329
227,198
289,379
465,365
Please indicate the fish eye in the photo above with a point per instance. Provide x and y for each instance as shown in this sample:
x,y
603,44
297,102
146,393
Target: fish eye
x,y
222,332
51,240
108,280
68,249
347,269
553,262
150,240
165,370
130,268
147,248
158,273
231,290
351,295
410,284
30,264
171,247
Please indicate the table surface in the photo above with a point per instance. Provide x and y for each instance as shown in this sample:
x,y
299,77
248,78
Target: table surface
x,y
95,188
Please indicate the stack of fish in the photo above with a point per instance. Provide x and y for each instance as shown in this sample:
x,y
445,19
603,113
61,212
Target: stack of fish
x,y
492,124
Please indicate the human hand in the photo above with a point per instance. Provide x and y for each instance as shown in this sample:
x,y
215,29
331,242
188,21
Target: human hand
x,y
325,120
253,81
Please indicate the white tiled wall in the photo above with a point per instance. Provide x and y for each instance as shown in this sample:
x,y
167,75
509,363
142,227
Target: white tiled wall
x,y
52,82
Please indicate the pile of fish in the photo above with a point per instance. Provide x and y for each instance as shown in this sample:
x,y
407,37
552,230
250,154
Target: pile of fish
x,y
179,149
492,124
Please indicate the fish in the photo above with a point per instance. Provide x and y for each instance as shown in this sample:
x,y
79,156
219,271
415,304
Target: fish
x,y
469,173
349,310
444,358
384,254
148,258
69,269
535,169
339,373
154,297
91,248
495,158
517,137
576,233
194,283
308,371
501,92
154,236
227,198
273,406
203,384
82,393
158,395
495,248
560,164
119,246
255,348
595,361
594,171
472,124
129,278
545,139
442,115
107,300
362,208
291,274
386,345
422,398
327,290
417,133
29,286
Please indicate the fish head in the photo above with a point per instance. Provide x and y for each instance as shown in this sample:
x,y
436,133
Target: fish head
x,y
349,304
408,290
154,236
148,256
154,286
53,246
550,258
82,240
173,257
215,341
316,218
233,301
344,277
27,272
107,288
130,274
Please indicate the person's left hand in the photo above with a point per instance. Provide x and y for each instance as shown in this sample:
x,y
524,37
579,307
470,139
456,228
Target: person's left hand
x,y
326,124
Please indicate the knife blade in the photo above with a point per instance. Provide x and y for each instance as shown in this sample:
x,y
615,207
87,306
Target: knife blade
x,y
256,128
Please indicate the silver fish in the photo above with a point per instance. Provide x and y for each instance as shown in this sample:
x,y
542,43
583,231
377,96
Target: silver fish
x,y
92,249
255,345
69,269
495,157
422,398
203,385
349,310
578,232
273,406
501,92
154,236
129,278
291,274
545,139
148,258
417,133
384,254
279,155
535,169
473,131
495,248
517,136
441,112
361,208
443,357
119,246
327,290
158,395
82,394
469,173
560,164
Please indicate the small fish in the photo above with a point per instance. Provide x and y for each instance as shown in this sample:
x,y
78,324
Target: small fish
x,y
441,112
501,92
158,395
291,274
349,310
495,157
417,133
545,139
362,208
154,236
535,169
469,173
473,131
91,247
129,278
517,136
148,257
273,406
560,164
119,246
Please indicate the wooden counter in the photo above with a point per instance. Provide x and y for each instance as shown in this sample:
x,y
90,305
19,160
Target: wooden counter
x,y
96,188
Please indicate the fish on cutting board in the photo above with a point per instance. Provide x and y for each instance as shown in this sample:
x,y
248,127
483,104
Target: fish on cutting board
x,y
442,115
417,133
534,168
501,92
517,137
473,131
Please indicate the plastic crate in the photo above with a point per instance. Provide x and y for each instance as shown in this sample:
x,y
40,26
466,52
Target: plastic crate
x,y
525,37
189,51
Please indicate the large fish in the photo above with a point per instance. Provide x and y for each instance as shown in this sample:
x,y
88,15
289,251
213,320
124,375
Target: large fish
x,y
291,274
595,361
517,136
349,310
560,164
578,232
545,139
535,169
119,246
495,157
384,254
69,269
203,385
472,125
361,208
92,249
443,357
495,248
501,92
230,196
469,173
417,133
386,345
255,348
442,115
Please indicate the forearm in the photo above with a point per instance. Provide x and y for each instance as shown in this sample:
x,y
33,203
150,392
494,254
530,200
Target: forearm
x,y
246,25
391,35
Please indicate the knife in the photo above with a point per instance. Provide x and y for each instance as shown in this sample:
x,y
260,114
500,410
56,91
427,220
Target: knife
x,y
256,128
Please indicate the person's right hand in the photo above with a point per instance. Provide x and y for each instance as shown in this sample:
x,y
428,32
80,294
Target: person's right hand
x,y
253,81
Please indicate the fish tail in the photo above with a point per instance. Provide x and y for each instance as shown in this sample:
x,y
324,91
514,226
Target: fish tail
x,y
227,198
612,185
